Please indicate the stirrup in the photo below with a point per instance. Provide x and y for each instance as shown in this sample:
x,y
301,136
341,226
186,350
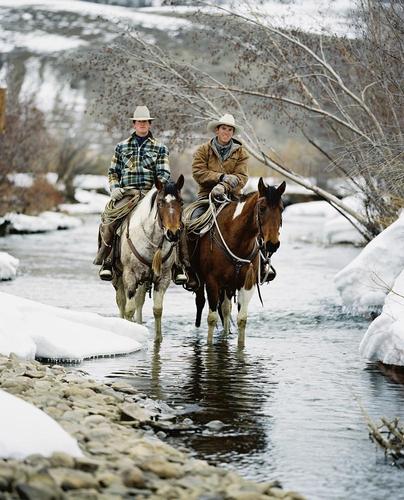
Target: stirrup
x,y
180,279
106,271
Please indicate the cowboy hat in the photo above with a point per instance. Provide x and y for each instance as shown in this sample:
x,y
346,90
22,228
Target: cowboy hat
x,y
141,113
226,119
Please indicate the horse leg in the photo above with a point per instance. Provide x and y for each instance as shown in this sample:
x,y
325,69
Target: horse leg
x,y
213,299
200,304
120,296
226,312
158,296
130,287
244,297
140,298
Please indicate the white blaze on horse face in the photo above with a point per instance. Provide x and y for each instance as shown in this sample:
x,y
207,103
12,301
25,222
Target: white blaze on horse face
x,y
169,198
239,209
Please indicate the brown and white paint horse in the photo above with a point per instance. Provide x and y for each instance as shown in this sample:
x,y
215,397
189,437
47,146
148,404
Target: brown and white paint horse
x,y
147,251
227,258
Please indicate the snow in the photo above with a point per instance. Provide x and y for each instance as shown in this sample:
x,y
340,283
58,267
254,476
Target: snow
x,y
384,339
8,266
38,41
329,226
89,203
112,13
365,282
30,329
90,181
46,221
25,430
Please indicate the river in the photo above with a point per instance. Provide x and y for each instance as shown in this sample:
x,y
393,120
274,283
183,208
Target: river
x,y
289,400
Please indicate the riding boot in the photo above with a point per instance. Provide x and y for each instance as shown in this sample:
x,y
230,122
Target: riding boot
x,y
183,273
105,239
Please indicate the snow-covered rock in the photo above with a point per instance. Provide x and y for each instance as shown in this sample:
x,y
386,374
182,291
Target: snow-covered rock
x,y
30,329
384,339
365,282
46,221
330,227
8,266
25,430
89,203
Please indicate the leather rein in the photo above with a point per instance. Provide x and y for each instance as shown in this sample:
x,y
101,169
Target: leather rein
x,y
238,262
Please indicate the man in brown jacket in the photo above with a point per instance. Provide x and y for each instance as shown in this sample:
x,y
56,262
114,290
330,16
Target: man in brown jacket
x,y
219,167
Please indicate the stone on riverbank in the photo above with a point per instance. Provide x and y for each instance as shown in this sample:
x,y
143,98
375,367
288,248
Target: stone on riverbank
x,y
122,460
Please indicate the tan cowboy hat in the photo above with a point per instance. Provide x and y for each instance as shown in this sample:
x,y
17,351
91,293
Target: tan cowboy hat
x,y
141,113
226,119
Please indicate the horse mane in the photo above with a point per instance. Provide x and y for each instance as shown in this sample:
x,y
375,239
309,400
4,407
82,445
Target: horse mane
x,y
271,195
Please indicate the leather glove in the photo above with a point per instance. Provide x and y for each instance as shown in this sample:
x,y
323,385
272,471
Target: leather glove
x,y
117,194
231,180
218,191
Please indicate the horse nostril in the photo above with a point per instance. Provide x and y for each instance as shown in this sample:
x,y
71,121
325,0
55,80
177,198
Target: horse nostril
x,y
273,247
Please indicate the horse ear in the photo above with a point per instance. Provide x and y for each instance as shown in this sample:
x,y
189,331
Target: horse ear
x,y
180,182
281,188
158,184
261,187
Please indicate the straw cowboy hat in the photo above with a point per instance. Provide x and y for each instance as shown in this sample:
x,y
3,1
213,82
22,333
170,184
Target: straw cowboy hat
x,y
141,113
226,119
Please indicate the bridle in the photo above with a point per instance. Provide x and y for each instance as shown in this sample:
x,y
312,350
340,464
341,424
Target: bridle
x,y
259,246
148,262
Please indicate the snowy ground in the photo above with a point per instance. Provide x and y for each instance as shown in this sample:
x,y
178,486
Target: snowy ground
x,y
375,279
30,329
25,430
8,266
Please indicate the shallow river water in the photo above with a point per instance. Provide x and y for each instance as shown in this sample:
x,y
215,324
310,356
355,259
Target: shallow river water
x,y
289,400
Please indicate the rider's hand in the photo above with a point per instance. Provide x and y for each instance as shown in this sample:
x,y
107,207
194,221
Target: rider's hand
x,y
231,180
117,194
218,192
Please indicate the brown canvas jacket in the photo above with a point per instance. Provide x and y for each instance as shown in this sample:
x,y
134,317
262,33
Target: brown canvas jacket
x,y
207,168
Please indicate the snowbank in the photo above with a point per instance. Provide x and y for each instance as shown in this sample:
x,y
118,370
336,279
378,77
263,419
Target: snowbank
x,y
90,181
8,266
384,339
364,283
89,203
26,430
30,329
42,223
332,228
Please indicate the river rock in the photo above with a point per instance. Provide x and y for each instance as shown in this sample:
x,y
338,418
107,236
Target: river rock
x,y
69,479
133,477
215,425
122,459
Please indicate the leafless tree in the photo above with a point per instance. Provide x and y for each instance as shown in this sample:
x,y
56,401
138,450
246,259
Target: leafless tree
x,y
345,95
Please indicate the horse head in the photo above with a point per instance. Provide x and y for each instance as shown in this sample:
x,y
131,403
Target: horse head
x,y
169,207
269,213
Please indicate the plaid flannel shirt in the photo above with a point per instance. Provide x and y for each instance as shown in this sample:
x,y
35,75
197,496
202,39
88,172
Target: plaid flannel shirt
x,y
137,167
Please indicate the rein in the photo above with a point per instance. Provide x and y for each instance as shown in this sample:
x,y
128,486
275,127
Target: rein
x,y
238,262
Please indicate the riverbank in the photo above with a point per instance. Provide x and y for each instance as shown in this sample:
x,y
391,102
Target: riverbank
x,y
124,456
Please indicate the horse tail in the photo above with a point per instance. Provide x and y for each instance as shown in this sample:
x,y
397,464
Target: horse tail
x,y
250,278
157,262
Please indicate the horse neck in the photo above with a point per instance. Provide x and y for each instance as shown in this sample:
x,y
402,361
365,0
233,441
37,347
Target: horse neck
x,y
143,224
246,221
243,229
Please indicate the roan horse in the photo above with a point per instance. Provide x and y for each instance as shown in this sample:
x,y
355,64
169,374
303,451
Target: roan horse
x,y
148,239
227,258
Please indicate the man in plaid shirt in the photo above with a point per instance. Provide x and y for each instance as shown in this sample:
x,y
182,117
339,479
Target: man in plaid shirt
x,y
137,162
